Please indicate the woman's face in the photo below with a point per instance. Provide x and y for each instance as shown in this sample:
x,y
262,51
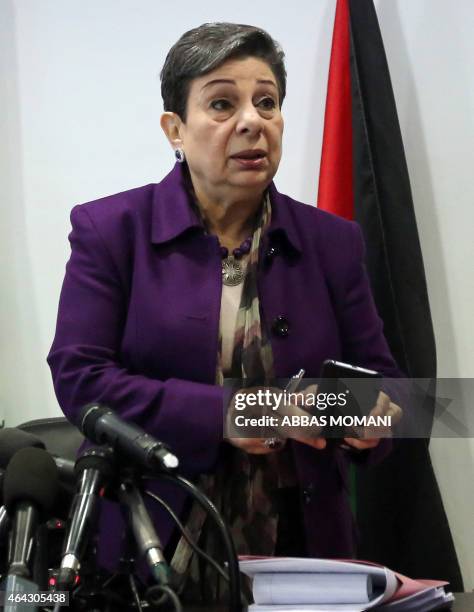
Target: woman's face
x,y
233,130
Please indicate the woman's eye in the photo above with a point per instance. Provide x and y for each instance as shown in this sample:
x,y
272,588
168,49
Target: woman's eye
x,y
220,105
267,103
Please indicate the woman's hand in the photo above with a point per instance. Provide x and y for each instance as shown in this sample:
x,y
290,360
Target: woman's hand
x,y
259,446
367,437
277,433
383,407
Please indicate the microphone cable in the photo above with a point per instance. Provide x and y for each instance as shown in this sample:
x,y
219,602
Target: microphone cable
x,y
187,536
235,602
155,594
135,593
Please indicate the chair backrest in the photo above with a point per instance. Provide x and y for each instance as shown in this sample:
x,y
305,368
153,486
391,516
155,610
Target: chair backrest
x,y
60,437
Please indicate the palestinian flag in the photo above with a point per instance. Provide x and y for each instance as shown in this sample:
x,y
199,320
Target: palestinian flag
x,y
364,176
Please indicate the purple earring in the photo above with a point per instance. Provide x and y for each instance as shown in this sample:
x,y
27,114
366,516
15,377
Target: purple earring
x,y
179,154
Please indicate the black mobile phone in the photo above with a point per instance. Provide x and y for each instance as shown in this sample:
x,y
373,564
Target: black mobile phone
x,y
355,389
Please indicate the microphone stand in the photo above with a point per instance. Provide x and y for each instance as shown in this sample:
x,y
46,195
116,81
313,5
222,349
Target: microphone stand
x,y
18,581
143,538
132,492
147,542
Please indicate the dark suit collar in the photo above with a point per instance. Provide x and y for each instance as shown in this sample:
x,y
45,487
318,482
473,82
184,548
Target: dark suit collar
x,y
173,212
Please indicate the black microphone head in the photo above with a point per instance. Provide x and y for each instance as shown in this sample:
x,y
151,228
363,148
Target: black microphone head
x,y
13,440
88,417
66,472
31,476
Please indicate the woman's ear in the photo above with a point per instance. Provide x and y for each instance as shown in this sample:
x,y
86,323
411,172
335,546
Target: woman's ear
x,y
171,124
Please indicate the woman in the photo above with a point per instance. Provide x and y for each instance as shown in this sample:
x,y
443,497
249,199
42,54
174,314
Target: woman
x,y
213,273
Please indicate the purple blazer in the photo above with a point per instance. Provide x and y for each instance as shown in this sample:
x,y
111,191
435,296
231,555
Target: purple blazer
x,y
138,327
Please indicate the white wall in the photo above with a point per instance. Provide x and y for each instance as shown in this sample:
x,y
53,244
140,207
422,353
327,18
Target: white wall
x,y
79,118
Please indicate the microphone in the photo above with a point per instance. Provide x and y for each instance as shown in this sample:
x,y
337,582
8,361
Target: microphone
x,y
92,470
12,440
103,426
30,488
4,520
2,477
66,470
148,542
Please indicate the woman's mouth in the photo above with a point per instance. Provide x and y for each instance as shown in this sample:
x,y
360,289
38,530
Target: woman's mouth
x,y
251,159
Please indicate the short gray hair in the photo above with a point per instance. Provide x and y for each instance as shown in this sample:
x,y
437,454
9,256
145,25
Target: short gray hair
x,y
202,49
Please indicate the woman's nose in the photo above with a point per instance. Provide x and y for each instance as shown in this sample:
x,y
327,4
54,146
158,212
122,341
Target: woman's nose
x,y
249,120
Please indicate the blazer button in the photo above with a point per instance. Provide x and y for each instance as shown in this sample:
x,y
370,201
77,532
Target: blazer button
x,y
281,326
270,254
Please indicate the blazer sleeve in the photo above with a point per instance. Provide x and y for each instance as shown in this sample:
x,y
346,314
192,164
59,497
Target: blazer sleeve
x,y
85,364
361,328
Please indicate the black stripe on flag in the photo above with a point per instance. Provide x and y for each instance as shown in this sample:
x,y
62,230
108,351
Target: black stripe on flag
x,y
400,513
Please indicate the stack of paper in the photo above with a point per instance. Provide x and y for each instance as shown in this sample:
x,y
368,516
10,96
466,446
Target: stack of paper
x,y
325,585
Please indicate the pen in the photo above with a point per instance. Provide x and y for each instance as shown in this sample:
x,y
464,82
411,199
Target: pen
x,y
294,382
274,442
